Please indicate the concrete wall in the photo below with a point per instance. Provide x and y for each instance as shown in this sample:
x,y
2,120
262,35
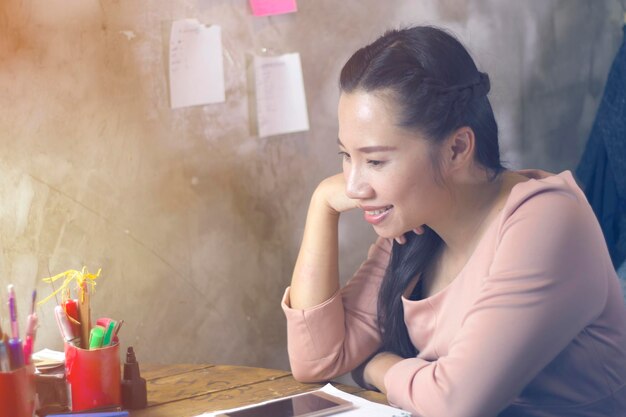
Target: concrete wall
x,y
194,221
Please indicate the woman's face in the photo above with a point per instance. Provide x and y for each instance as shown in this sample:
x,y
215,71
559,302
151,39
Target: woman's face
x,y
388,169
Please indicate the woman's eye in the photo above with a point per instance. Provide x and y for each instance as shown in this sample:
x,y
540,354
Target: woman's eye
x,y
344,155
375,163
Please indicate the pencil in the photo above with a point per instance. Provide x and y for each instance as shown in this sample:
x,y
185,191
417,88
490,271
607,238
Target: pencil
x,y
84,311
3,336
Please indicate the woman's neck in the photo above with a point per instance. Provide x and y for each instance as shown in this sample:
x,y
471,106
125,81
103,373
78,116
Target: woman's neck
x,y
475,203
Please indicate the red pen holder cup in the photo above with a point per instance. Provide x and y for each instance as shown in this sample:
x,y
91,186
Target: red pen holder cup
x,y
17,393
93,377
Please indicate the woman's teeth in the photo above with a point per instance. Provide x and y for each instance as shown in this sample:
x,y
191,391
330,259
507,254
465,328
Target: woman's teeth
x,y
377,212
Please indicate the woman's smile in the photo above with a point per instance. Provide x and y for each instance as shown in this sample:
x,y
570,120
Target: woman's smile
x,y
375,215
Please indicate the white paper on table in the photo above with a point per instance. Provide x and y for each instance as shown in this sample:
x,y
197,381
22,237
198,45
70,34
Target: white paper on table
x,y
196,64
280,99
49,355
362,407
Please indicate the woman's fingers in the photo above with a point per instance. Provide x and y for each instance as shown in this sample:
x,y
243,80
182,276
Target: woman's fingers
x,y
419,230
401,240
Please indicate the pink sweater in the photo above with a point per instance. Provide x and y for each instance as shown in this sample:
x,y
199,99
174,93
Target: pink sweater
x,y
533,325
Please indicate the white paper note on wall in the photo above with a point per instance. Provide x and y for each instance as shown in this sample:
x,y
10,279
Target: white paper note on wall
x,y
196,64
280,98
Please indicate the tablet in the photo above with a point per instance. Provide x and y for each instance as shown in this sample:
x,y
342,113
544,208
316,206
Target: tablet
x,y
312,404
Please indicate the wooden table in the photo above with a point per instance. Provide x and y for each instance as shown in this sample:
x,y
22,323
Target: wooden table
x,y
189,390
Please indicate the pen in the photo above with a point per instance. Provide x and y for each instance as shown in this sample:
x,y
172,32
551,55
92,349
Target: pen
x,y
4,358
14,346
31,328
15,331
118,326
3,336
108,334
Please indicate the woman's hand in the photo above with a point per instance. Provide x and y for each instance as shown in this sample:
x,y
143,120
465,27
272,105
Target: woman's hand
x,y
332,192
377,367
402,239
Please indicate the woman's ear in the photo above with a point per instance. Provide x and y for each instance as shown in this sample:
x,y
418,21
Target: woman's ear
x,y
460,147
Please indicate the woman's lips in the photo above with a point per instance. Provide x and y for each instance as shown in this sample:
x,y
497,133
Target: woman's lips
x,y
375,215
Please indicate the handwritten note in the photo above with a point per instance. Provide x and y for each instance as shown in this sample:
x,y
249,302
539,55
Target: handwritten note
x,y
272,7
280,98
196,64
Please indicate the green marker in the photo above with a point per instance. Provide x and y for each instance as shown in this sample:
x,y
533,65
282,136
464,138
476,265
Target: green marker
x,y
108,335
95,337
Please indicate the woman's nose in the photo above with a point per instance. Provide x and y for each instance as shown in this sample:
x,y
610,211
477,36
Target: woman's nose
x,y
357,186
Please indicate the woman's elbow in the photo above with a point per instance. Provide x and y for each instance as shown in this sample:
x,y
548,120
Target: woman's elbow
x,y
302,375
312,372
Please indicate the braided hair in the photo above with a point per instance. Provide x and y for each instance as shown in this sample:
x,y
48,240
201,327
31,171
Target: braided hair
x,y
438,89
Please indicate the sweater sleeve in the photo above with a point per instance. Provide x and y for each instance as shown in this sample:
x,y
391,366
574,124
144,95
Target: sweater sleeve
x,y
334,337
544,285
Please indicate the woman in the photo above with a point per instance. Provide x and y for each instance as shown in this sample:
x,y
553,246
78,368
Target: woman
x,y
488,292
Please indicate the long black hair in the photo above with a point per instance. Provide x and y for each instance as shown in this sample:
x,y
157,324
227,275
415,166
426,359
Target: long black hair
x,y
437,88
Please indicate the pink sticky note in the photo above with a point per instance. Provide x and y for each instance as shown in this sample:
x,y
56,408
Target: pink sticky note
x,y
271,7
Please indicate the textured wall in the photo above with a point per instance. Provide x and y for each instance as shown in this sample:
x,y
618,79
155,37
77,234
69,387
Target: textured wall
x,y
195,222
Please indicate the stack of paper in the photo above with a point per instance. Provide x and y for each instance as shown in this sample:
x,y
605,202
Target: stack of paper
x,y
362,407
47,360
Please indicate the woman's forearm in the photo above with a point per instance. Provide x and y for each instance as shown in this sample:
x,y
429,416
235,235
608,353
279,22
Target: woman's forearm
x,y
316,274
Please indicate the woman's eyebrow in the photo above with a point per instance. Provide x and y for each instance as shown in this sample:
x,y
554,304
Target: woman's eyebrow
x,y
371,149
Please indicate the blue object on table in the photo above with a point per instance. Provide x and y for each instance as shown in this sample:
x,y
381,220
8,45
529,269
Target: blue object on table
x,y
87,414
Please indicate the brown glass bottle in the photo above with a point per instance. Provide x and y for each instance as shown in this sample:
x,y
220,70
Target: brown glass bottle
x,y
134,393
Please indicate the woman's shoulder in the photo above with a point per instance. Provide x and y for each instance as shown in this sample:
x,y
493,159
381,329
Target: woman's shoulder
x,y
546,191
549,203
